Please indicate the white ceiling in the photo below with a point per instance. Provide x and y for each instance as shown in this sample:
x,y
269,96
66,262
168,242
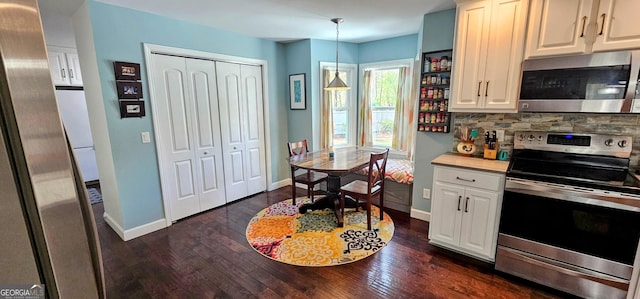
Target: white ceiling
x,y
285,20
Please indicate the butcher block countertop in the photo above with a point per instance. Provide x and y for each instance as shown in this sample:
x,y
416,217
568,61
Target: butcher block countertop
x,y
451,159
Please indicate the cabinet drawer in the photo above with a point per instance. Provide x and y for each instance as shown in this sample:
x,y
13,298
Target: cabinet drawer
x,y
469,178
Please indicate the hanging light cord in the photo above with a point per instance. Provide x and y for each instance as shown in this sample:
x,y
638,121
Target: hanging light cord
x,y
337,21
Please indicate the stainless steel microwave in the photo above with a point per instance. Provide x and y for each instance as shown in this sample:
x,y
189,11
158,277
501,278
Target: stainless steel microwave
x,y
599,83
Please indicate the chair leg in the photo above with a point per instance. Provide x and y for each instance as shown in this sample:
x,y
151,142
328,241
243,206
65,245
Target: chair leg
x,y
368,213
381,203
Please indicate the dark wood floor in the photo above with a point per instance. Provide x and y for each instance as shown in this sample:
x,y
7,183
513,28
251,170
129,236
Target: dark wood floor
x,y
207,256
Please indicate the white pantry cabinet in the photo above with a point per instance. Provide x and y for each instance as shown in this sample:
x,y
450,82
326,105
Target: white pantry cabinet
x,y
488,55
558,27
65,66
465,211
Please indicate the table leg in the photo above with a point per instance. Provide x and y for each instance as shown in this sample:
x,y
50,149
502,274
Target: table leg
x,y
331,201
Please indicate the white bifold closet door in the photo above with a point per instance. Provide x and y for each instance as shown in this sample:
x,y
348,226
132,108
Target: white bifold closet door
x,y
242,119
188,127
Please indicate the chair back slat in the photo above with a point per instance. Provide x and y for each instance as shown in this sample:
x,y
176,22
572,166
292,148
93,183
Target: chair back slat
x,y
377,165
298,147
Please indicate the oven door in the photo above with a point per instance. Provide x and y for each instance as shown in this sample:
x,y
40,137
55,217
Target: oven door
x,y
584,236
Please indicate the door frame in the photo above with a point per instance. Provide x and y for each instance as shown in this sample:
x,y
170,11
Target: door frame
x,y
150,49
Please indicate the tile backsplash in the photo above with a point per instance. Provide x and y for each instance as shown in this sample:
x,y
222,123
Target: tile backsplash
x,y
615,124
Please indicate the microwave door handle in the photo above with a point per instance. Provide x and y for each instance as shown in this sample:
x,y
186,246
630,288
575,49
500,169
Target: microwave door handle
x,y
632,83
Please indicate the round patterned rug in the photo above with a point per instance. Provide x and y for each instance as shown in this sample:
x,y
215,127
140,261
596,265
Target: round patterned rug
x,y
281,233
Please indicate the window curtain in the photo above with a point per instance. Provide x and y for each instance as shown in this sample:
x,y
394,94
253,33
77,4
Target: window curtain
x,y
404,130
365,119
326,110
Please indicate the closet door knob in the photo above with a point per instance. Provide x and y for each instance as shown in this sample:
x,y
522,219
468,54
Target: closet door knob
x,y
206,153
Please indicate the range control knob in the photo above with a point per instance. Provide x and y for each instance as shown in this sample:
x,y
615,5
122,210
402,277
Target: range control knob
x,y
622,143
520,137
540,138
608,142
531,137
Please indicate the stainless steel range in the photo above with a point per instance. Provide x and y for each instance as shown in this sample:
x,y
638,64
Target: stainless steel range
x,y
571,213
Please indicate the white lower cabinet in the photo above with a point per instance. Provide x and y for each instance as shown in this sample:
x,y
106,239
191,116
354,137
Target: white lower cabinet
x,y
465,211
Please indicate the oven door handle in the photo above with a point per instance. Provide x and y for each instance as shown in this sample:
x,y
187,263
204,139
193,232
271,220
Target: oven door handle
x,y
573,194
608,280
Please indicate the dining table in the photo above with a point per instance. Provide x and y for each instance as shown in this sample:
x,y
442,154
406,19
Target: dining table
x,y
342,162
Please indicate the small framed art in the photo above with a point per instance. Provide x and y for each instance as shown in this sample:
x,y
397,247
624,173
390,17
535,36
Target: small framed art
x,y
297,92
126,70
129,89
131,109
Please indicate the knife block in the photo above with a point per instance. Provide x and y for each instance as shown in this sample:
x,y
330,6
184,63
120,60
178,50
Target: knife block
x,y
490,153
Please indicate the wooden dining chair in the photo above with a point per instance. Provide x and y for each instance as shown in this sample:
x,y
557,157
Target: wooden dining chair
x,y
309,178
363,192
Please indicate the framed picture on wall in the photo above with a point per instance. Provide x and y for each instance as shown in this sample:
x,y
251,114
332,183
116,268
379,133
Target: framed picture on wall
x,y
126,70
297,92
131,109
129,89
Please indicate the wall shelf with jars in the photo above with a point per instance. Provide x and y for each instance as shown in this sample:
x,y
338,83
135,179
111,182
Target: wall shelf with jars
x,y
435,85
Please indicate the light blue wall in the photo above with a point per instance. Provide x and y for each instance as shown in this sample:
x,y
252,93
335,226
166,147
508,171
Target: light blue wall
x,y
438,29
119,34
389,49
298,59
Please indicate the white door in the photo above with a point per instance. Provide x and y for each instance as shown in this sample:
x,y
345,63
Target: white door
x,y
58,65
189,134
470,54
558,27
73,63
241,118
255,163
620,29
478,221
208,148
446,213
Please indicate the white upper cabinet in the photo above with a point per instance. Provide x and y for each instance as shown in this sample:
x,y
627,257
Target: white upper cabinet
x,y
65,66
558,27
488,55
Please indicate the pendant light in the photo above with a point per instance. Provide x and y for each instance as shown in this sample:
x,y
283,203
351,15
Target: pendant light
x,y
337,83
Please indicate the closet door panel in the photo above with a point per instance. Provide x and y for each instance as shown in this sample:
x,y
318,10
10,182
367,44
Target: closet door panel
x,y
233,122
254,122
177,159
208,144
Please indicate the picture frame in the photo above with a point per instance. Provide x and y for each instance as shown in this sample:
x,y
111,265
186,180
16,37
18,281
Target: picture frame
x,y
126,70
131,109
297,92
129,89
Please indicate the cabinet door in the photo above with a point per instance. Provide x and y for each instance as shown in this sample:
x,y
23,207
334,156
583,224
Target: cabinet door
x,y
479,216
620,29
73,64
504,55
558,27
472,32
58,65
446,214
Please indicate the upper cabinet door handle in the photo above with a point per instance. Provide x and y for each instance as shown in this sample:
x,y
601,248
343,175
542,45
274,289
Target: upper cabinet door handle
x,y
63,73
584,23
603,16
479,83
486,90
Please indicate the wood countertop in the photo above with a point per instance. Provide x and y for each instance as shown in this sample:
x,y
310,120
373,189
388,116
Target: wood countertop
x,y
451,159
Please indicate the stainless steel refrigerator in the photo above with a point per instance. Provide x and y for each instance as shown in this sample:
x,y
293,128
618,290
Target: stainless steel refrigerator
x,y
48,234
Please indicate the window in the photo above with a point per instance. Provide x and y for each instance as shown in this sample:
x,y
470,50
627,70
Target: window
x,y
343,107
387,101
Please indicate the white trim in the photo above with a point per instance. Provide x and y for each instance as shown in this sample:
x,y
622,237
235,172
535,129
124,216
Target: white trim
x,y
135,232
420,214
280,184
150,49
351,70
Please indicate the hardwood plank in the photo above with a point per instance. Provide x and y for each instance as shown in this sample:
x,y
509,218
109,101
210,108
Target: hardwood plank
x,y
207,256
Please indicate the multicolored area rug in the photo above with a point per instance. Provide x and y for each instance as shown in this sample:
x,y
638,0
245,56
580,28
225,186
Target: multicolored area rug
x,y
281,233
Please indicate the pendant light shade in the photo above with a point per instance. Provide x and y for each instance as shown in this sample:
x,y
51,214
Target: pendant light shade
x,y
337,83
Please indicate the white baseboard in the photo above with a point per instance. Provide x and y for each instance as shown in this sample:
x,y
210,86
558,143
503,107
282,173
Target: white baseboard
x,y
135,232
280,184
419,214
